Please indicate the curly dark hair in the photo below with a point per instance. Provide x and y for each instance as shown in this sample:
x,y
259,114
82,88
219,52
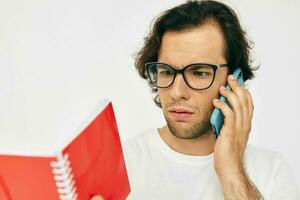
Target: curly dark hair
x,y
191,15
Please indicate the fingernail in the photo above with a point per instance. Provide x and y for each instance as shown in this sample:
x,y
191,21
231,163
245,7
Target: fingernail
x,y
216,100
232,77
223,88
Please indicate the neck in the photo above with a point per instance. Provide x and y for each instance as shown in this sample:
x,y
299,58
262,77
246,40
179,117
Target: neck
x,y
201,146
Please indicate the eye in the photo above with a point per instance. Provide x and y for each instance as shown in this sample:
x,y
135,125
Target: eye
x,y
165,73
200,73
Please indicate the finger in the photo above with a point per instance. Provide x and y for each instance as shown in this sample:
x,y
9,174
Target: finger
x,y
240,92
235,104
98,197
250,103
248,125
229,118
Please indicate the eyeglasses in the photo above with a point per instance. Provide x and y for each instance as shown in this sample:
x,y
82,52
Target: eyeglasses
x,y
198,76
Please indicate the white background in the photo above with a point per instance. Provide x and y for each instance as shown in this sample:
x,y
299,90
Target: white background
x,y
59,58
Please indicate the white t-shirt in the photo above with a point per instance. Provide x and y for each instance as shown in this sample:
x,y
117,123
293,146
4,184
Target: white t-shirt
x,y
156,172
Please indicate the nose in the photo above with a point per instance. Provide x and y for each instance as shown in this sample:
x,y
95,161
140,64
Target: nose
x,y
179,88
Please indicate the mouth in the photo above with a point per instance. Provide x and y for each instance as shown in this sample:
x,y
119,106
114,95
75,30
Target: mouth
x,y
180,114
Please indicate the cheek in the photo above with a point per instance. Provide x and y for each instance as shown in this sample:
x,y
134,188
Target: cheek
x,y
214,91
163,96
160,94
205,100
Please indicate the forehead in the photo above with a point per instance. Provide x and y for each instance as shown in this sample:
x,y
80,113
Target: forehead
x,y
201,44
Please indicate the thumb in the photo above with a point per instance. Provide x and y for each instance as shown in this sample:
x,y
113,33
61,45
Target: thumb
x,y
97,197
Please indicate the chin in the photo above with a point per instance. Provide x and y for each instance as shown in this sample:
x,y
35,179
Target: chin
x,y
189,130
180,130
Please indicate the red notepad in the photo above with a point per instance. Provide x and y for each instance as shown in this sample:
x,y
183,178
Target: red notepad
x,y
92,163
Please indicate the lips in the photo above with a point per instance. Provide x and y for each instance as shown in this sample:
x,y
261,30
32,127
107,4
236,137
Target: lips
x,y
180,113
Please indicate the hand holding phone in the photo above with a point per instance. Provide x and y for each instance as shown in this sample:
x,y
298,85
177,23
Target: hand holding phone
x,y
217,118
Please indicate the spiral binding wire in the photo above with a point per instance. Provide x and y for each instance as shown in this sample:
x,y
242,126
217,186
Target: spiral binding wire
x,y
64,178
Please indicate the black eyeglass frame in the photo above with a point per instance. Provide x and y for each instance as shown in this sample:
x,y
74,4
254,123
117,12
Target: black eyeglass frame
x,y
181,71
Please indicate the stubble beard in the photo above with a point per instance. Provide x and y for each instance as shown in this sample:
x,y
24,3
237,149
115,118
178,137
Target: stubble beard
x,y
195,130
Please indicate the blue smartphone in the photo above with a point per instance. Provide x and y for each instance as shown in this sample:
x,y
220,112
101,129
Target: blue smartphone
x,y
217,117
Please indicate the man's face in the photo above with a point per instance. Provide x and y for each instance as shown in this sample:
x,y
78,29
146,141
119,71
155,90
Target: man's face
x,y
187,111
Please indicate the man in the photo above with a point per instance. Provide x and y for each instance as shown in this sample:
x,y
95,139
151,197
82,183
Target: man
x,y
188,58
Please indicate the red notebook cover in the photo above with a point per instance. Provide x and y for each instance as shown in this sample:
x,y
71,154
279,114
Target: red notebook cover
x,y
91,164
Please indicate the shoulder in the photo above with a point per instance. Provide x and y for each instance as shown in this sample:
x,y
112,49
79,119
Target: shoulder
x,y
257,159
137,152
270,172
259,154
140,145
140,142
